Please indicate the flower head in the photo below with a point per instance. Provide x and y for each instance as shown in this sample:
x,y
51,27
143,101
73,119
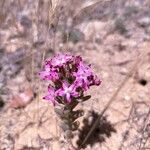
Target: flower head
x,y
72,74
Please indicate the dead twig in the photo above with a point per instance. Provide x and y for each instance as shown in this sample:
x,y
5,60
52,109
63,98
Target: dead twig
x,y
143,129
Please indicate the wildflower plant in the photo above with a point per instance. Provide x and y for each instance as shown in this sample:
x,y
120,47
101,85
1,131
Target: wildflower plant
x,y
69,77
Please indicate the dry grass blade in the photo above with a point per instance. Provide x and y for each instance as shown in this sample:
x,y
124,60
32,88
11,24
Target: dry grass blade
x,y
132,71
2,3
88,5
52,11
144,127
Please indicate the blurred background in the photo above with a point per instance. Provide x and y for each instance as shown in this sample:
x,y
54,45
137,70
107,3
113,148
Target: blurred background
x,y
112,35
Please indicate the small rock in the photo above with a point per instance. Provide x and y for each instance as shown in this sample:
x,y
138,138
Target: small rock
x,y
98,39
144,22
123,71
127,98
119,25
74,35
22,99
25,21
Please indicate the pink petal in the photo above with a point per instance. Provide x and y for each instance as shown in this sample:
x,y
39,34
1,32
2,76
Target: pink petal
x,y
75,94
68,97
60,92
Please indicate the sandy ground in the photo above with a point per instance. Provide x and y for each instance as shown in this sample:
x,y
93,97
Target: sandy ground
x,y
113,36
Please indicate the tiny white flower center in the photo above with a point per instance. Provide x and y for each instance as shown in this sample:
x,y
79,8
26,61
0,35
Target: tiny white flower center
x,y
60,61
67,90
47,69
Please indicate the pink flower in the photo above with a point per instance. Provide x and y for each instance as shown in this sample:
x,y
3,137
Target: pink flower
x,y
68,91
96,81
49,73
82,75
77,60
70,77
61,59
51,95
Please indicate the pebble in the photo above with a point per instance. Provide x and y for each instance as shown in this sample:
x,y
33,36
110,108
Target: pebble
x,y
22,99
123,71
144,22
127,98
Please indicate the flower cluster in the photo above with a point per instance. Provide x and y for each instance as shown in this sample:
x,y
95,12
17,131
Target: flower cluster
x,y
69,77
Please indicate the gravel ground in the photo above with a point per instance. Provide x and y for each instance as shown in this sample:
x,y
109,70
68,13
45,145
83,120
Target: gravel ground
x,y
112,35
